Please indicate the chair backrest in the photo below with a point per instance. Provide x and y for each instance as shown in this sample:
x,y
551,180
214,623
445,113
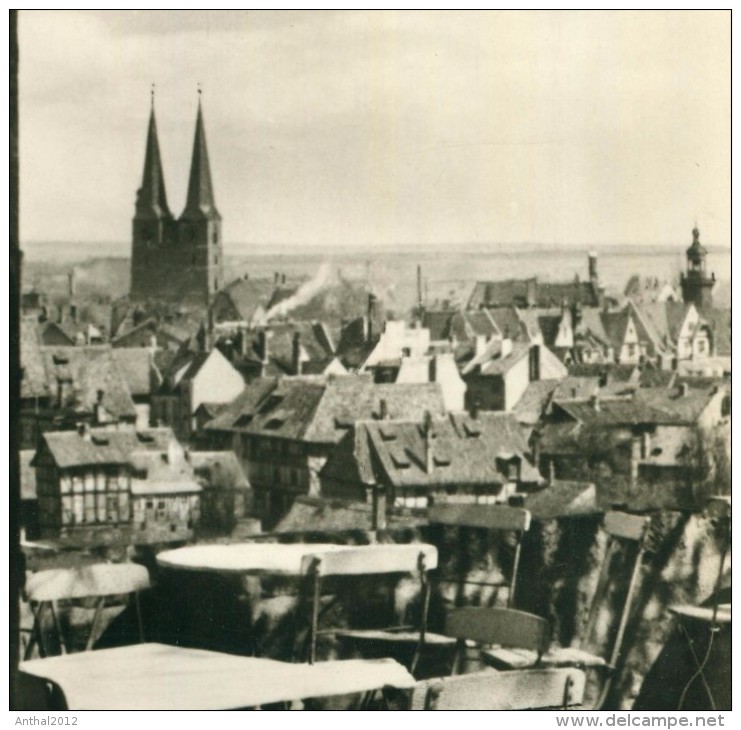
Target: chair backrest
x,y
503,626
500,517
488,516
90,581
368,560
529,689
371,559
620,527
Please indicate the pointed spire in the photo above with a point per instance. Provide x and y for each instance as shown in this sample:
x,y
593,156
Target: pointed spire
x,y
200,202
151,198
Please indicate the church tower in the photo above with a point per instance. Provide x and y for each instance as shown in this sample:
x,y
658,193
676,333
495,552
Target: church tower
x,y
697,286
153,226
176,261
199,226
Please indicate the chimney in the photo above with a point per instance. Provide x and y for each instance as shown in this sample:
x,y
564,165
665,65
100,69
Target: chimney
x,y
383,410
429,449
576,315
72,283
173,452
283,279
276,278
684,389
99,410
535,440
296,353
263,351
479,345
593,277
594,402
635,457
83,430
432,369
534,363
420,301
604,378
474,409
551,473
369,334
506,347
532,293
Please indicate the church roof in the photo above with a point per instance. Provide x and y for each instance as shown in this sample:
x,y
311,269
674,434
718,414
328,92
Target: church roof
x,y
200,203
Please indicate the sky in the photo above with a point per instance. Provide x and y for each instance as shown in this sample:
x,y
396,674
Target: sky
x,y
385,128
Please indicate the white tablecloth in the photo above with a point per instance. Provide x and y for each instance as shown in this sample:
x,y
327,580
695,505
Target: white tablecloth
x,y
161,677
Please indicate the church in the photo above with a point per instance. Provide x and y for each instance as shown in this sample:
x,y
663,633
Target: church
x,y
176,260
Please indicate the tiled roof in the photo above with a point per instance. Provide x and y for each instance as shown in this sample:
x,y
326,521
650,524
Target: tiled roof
x,y
621,373
135,364
531,292
576,386
466,451
320,410
89,369
104,446
720,325
156,473
647,405
503,293
501,365
34,383
354,347
562,499
591,323
515,323
534,401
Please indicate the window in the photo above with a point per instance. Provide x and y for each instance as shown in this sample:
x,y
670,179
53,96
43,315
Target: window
x,y
701,346
631,350
216,238
216,258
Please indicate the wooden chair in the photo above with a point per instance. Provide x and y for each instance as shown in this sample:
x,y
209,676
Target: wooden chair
x,y
499,517
368,560
102,581
501,627
621,528
532,689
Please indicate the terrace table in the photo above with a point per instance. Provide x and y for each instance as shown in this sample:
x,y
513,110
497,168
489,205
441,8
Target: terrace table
x,y
244,558
163,677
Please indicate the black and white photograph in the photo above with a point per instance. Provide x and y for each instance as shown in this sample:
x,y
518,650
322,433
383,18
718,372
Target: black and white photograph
x,y
370,360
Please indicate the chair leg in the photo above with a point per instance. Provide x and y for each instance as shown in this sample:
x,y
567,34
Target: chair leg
x,y
137,604
58,627
94,626
36,634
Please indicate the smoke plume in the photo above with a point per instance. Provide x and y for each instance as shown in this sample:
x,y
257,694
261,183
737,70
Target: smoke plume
x,y
305,293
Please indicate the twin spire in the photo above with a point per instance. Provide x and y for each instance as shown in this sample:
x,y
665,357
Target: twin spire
x,y
152,198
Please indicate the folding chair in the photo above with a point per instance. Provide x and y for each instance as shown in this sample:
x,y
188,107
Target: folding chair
x,y
620,528
501,627
532,689
369,560
497,517
103,581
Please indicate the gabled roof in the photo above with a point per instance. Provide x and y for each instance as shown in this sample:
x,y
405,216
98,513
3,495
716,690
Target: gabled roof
x,y
534,401
320,410
87,370
517,324
615,325
505,293
104,446
465,451
664,406
490,362
155,472
249,297
574,387
135,365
